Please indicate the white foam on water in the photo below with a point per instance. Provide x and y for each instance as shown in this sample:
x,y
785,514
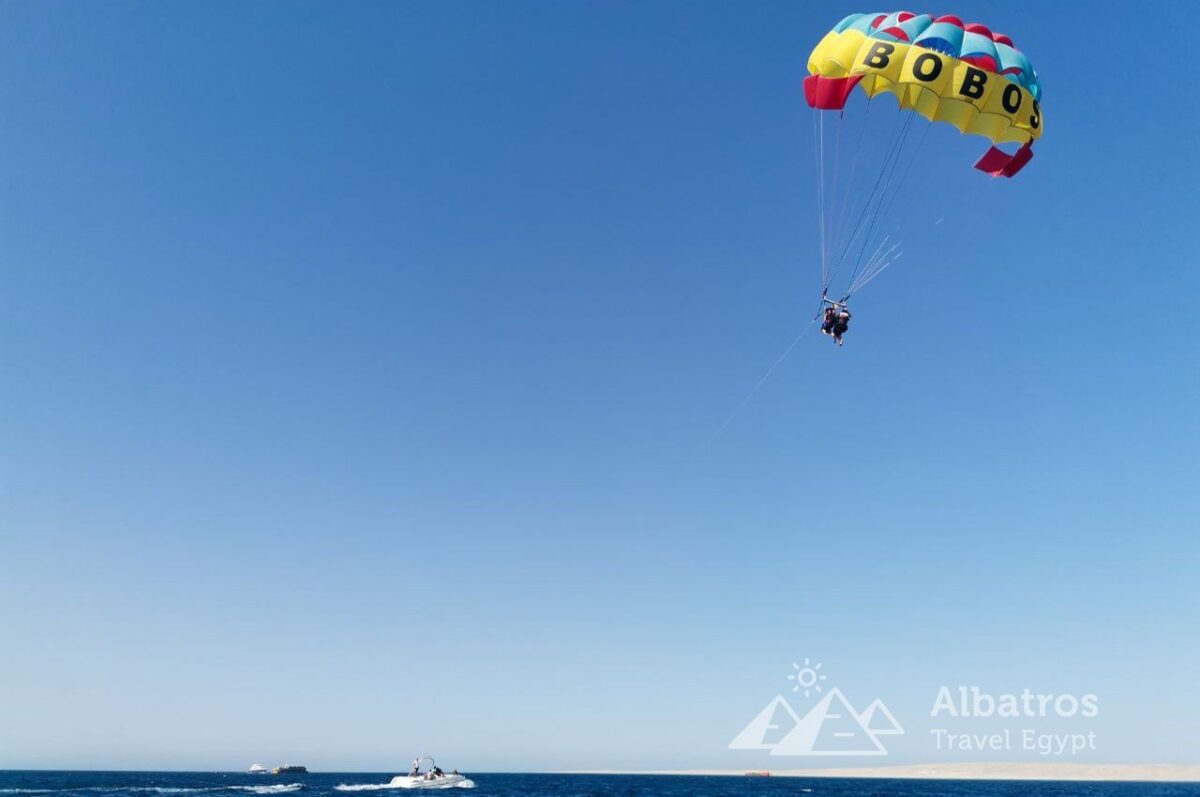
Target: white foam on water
x,y
364,786
462,784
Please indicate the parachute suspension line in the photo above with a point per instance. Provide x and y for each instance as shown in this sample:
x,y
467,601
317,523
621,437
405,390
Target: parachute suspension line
x,y
871,197
891,173
819,157
877,269
875,265
819,140
876,255
839,221
866,278
824,227
888,176
833,201
907,168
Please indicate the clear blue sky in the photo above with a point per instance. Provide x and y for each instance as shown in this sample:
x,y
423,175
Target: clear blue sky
x,y
358,361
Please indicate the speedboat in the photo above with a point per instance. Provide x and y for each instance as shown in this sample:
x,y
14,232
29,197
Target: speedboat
x,y
432,778
257,769
430,781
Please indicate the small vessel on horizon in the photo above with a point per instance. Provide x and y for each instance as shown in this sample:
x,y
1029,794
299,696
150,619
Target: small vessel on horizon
x,y
290,769
257,769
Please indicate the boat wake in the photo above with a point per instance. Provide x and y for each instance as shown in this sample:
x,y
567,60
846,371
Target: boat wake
x,y
364,786
462,784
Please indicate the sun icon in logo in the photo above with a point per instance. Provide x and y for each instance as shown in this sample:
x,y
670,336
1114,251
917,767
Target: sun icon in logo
x,y
806,677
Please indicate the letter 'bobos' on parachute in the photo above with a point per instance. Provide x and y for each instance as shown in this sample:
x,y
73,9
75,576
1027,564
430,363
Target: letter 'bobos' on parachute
x,y
944,69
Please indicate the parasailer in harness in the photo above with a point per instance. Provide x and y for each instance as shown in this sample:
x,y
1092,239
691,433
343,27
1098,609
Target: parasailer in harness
x,y
828,321
835,321
841,324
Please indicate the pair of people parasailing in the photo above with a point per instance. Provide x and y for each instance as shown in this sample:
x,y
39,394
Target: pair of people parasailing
x,y
836,320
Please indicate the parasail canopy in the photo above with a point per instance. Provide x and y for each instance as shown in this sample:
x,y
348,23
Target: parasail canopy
x,y
946,70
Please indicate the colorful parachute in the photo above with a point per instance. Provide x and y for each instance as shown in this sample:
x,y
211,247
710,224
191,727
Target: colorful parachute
x,y
941,69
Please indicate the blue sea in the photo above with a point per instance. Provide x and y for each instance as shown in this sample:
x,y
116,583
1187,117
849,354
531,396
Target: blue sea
x,y
217,784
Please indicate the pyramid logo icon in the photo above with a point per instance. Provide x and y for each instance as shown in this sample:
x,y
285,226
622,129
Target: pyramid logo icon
x,y
831,727
766,730
880,721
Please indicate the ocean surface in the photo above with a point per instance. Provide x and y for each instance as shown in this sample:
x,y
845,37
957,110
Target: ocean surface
x,y
218,784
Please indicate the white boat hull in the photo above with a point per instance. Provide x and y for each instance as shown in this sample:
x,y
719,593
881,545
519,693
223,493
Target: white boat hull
x,y
421,782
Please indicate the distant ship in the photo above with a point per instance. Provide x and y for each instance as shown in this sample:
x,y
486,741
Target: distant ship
x,y
257,769
290,769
